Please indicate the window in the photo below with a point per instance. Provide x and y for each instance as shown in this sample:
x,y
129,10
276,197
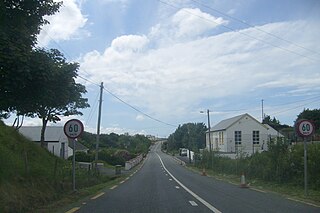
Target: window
x,y
221,142
255,137
237,137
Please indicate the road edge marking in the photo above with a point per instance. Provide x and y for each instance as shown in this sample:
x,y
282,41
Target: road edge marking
x,y
301,201
208,205
98,195
73,210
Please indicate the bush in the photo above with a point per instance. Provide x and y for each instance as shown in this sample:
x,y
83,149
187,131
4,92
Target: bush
x,y
281,164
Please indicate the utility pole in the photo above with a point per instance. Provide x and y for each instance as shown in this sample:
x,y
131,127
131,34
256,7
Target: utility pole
x,y
209,130
98,126
262,114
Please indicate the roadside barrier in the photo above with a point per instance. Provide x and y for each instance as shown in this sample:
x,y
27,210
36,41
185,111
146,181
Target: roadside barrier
x,y
133,162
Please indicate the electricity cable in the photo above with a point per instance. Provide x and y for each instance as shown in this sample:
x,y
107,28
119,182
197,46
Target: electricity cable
x,y
240,32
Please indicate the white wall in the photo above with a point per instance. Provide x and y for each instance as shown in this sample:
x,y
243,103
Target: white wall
x,y
246,125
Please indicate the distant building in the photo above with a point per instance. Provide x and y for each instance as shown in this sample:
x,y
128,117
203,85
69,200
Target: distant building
x,y
57,141
241,134
79,148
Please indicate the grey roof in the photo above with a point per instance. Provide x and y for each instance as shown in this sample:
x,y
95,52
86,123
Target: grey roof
x,y
52,133
79,146
224,124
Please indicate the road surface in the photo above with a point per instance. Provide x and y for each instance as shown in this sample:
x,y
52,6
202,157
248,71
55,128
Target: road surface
x,y
163,185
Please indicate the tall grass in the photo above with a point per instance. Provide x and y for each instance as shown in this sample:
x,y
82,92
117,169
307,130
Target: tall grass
x,y
281,164
31,177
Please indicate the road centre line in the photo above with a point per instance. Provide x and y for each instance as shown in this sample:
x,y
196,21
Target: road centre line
x,y
98,195
208,205
193,203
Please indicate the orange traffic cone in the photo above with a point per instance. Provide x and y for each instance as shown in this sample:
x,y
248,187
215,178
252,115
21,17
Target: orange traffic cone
x,y
243,183
204,173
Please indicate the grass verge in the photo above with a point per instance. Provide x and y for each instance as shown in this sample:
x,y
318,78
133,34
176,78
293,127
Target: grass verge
x,y
288,191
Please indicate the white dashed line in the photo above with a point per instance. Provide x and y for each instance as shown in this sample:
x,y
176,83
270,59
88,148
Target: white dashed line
x,y
193,203
177,187
208,205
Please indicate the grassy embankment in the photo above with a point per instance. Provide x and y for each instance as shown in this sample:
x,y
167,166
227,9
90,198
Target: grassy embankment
x,y
31,178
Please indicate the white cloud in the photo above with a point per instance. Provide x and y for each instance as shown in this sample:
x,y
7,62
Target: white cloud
x,y
170,80
139,117
64,25
185,25
131,43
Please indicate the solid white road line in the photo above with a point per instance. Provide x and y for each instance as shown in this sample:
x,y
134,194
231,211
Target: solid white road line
x,y
208,205
258,190
193,203
300,201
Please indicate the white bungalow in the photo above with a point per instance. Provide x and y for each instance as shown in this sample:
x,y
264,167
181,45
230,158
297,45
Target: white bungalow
x,y
57,141
241,134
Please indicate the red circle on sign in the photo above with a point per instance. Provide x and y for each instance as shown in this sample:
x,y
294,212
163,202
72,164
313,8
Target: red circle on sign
x,y
73,128
305,128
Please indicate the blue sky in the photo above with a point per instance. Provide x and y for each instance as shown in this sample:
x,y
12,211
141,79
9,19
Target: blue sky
x,y
170,59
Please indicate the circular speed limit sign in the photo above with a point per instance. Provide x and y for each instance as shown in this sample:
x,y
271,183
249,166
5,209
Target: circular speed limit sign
x,y
305,128
73,128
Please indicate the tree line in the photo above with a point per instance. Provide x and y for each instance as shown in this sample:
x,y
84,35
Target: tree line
x,y
35,82
114,149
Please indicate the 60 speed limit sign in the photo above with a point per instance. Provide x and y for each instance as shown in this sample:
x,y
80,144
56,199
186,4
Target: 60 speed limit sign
x,y
305,128
73,128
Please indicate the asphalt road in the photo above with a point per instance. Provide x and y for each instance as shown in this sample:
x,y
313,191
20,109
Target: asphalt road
x,y
163,185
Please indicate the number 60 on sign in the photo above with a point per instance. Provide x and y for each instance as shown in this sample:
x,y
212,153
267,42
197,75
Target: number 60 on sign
x,y
73,128
305,128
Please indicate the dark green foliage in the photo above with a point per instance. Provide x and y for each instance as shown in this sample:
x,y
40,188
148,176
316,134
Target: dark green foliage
x,y
136,144
191,135
20,22
281,164
274,123
114,149
83,157
313,115
31,177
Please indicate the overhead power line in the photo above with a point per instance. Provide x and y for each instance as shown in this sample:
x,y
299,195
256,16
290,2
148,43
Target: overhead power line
x,y
136,109
129,105
240,32
256,28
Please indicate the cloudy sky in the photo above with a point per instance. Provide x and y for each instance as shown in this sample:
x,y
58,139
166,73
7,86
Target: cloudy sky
x,y
163,61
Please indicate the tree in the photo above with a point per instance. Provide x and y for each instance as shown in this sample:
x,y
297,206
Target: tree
x,y
51,90
20,24
274,123
313,115
190,135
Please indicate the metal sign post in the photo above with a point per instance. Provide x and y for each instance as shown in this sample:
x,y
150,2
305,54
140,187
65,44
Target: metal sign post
x,y
73,129
305,129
